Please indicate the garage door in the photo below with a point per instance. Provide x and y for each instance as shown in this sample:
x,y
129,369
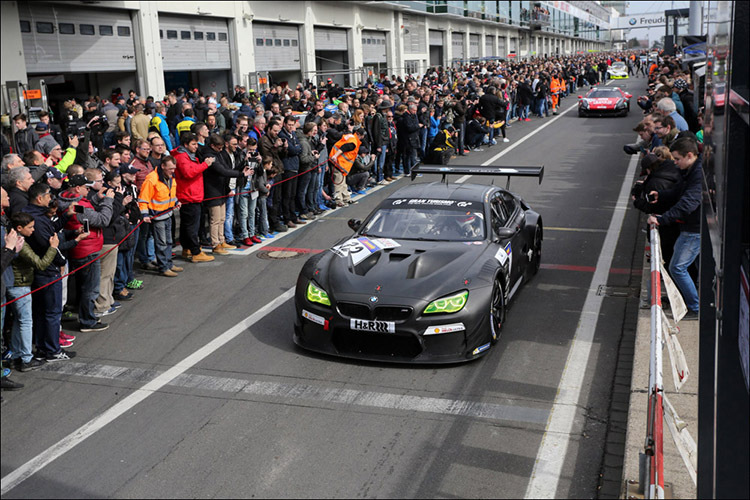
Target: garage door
x,y
68,39
501,49
474,41
330,39
373,47
489,46
194,43
414,34
436,37
276,47
457,44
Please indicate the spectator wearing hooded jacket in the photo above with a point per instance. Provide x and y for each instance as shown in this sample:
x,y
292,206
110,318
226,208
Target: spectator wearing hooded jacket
x,y
47,302
189,177
160,125
45,141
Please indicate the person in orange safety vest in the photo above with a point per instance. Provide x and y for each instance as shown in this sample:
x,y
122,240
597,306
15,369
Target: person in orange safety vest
x,y
555,88
344,153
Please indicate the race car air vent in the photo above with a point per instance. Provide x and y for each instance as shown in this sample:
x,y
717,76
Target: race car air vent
x,y
364,267
354,310
430,262
398,257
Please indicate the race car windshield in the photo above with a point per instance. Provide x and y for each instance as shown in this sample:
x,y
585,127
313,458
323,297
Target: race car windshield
x,y
603,93
427,223
618,65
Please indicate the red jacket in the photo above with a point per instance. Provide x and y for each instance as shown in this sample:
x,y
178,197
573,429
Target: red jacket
x,y
189,176
93,243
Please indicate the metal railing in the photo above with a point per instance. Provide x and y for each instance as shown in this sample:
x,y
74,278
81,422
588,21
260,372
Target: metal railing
x,y
660,410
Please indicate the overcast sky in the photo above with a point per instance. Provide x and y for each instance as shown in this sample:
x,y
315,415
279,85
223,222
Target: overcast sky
x,y
652,34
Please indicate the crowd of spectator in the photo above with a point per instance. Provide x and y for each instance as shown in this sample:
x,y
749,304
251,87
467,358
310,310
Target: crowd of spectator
x,y
670,187
101,189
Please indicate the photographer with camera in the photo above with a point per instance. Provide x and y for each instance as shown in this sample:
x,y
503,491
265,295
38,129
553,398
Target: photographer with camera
x,y
93,213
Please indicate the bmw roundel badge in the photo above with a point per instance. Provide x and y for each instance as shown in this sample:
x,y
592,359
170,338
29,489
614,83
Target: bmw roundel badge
x,y
373,299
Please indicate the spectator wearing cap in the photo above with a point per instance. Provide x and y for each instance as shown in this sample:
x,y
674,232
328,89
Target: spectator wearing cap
x,y
47,301
125,273
85,191
157,198
19,180
682,89
24,139
54,179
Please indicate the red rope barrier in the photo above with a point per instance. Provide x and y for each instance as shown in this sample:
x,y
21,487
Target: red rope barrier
x,y
139,225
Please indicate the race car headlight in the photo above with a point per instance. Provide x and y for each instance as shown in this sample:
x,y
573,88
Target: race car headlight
x,y
446,305
620,103
584,103
317,295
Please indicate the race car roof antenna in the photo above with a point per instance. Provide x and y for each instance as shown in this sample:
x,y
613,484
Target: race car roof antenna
x,y
444,170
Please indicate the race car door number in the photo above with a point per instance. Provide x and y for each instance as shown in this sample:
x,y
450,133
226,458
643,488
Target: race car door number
x,y
365,325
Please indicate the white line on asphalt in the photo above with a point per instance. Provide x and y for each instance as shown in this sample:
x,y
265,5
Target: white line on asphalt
x,y
404,402
82,433
552,452
463,179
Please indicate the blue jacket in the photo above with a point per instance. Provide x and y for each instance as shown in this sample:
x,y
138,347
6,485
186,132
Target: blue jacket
x,y
434,127
290,159
679,121
159,121
678,103
687,211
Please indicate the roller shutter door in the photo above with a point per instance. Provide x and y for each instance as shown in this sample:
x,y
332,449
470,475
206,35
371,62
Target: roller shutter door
x,y
457,43
276,47
436,37
331,39
65,39
501,49
194,43
373,47
474,41
489,46
415,35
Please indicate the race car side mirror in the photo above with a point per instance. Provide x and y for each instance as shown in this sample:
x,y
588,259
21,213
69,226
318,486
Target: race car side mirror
x,y
354,224
628,95
580,97
504,233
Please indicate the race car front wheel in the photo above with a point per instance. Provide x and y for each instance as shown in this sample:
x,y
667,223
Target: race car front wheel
x,y
497,310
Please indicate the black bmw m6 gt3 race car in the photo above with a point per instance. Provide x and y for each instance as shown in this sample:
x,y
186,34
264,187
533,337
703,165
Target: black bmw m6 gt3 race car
x,y
426,277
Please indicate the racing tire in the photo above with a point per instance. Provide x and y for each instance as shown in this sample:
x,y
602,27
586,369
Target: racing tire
x,y
536,260
497,310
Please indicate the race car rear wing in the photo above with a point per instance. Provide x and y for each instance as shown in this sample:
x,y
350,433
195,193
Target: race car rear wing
x,y
444,170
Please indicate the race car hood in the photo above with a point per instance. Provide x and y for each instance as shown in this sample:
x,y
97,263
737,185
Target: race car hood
x,y
403,268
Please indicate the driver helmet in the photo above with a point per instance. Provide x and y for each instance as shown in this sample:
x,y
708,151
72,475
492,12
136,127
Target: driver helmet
x,y
467,222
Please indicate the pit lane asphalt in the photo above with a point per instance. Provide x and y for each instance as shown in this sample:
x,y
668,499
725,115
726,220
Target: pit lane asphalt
x,y
259,417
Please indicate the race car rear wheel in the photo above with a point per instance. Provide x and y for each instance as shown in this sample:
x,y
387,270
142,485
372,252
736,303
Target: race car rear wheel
x,y
497,310
536,260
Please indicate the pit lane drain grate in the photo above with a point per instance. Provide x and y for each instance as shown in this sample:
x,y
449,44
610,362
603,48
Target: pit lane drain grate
x,y
623,292
279,255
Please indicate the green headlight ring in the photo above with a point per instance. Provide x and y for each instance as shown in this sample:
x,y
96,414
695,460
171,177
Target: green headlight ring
x,y
448,305
317,295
